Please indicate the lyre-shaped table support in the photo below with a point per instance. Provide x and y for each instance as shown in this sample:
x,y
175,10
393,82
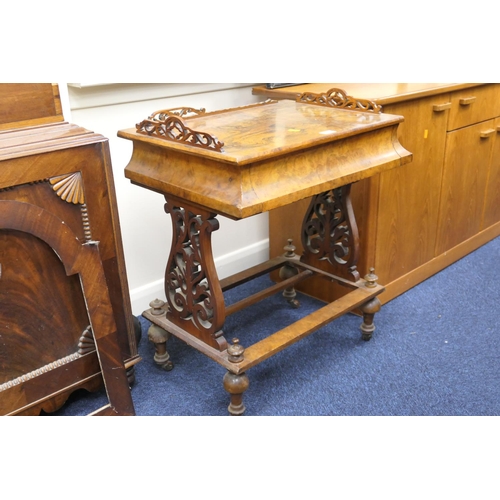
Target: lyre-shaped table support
x,y
192,288
195,310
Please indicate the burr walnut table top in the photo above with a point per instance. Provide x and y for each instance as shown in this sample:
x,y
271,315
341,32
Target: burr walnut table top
x,y
263,156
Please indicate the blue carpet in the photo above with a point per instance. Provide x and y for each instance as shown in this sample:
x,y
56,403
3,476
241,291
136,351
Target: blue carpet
x,y
435,352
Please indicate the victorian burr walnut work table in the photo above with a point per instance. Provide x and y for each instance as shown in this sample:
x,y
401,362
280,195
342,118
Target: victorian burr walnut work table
x,y
241,162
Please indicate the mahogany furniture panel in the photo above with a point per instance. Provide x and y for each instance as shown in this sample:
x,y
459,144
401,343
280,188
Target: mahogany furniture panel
x,y
65,315
422,218
241,162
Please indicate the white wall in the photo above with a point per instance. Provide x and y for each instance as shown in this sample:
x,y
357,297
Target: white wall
x,y
145,227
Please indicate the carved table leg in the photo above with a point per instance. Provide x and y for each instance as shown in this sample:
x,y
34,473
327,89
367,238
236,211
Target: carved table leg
x,y
159,337
138,334
370,308
236,384
330,232
194,295
288,271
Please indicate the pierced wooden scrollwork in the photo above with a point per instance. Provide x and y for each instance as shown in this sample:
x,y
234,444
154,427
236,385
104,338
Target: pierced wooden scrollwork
x,y
69,187
192,288
337,98
329,231
180,112
172,128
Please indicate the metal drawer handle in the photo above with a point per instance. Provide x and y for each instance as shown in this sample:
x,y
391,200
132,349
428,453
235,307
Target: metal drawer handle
x,y
441,107
487,133
465,101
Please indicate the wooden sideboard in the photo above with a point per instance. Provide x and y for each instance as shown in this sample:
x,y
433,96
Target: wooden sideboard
x,y
420,218
65,316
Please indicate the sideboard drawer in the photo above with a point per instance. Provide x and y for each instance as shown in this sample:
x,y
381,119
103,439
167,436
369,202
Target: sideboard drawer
x,y
474,105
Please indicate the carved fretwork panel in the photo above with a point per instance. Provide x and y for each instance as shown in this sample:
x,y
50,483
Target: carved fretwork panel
x,y
329,232
172,128
337,98
180,112
193,292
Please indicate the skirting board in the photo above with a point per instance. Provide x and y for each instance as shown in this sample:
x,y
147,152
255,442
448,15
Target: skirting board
x,y
227,265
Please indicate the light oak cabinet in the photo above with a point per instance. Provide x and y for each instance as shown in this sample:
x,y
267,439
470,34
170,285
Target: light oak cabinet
x,y
468,203
418,219
407,218
492,201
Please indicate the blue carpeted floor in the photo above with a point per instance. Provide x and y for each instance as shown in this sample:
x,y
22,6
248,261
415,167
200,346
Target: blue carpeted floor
x,y
435,352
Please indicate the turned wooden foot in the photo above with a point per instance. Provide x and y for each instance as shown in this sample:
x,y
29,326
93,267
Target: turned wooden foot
x,y
159,337
369,309
236,384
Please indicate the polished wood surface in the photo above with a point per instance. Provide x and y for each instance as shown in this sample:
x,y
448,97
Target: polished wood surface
x,y
29,104
381,93
242,162
491,213
474,105
424,216
259,132
465,180
287,156
65,316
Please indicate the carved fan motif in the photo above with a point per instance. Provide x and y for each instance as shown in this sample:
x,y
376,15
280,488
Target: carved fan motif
x,y
86,343
69,187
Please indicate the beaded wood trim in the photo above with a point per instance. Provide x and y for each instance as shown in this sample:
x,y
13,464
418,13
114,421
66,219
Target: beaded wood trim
x,y
86,345
337,98
39,371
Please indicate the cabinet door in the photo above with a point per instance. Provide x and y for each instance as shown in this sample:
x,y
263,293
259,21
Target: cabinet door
x,y
492,198
474,105
465,177
409,196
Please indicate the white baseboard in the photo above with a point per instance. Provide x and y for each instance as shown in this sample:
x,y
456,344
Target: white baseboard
x,y
227,265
